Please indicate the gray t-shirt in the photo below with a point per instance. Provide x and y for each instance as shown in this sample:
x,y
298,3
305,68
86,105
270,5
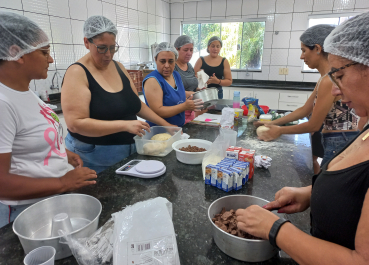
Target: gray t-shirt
x,y
188,77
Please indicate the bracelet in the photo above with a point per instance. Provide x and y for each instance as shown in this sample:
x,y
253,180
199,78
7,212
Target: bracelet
x,y
274,231
220,80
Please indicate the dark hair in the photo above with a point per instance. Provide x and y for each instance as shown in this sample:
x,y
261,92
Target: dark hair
x,y
1,61
325,54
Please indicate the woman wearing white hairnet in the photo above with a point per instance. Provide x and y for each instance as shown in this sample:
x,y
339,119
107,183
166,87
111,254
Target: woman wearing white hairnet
x,y
215,66
340,123
100,101
33,158
184,46
338,197
163,88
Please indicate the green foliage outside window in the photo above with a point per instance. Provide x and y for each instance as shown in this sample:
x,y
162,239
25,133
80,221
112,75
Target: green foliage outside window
x,y
242,41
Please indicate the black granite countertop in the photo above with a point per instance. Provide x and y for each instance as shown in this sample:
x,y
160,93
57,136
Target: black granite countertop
x,y
183,185
279,85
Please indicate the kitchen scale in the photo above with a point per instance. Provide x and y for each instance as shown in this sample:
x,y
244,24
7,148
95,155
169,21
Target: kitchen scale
x,y
142,169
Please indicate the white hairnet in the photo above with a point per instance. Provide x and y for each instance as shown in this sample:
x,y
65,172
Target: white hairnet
x,y
19,36
316,34
183,40
96,25
212,39
350,40
165,47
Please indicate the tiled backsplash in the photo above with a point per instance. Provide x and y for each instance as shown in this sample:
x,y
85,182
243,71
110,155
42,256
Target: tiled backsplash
x,y
288,17
140,23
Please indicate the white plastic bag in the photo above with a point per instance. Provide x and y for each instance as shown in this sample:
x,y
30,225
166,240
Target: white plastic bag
x,y
215,153
227,118
95,250
202,77
144,234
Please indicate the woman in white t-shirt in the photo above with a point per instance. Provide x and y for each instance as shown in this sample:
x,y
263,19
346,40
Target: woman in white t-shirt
x,y
33,159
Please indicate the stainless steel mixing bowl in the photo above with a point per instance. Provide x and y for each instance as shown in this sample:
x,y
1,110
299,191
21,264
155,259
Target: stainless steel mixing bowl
x,y
209,96
33,225
240,248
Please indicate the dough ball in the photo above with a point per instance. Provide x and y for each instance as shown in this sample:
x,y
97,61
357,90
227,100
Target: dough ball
x,y
161,137
261,130
154,148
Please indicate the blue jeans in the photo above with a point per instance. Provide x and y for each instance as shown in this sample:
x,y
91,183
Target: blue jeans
x,y
99,157
334,142
8,213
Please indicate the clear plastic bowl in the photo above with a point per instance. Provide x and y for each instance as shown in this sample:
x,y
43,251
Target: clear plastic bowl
x,y
157,148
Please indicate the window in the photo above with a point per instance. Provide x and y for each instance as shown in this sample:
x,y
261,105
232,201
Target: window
x,y
242,42
316,20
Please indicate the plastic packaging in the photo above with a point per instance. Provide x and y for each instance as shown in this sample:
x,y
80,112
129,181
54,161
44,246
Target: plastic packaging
x,y
236,99
265,117
145,234
95,250
42,255
227,118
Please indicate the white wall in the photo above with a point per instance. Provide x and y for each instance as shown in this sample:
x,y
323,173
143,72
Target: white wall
x,y
289,17
140,23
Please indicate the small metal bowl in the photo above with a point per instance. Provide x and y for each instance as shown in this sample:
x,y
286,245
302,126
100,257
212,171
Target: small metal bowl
x,y
33,225
250,250
208,95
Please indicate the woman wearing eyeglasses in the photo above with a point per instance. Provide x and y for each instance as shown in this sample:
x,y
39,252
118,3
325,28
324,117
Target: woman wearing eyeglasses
x,y
338,197
340,123
33,158
100,101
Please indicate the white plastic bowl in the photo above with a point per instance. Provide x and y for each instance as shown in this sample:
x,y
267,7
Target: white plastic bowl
x,y
191,158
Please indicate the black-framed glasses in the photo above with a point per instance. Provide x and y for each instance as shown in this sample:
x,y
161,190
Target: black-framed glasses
x,y
333,77
103,48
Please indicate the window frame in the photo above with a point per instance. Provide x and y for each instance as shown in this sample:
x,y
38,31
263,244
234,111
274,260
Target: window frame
x,y
243,20
328,15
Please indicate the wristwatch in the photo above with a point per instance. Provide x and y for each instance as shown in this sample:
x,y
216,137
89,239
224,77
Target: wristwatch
x,y
274,231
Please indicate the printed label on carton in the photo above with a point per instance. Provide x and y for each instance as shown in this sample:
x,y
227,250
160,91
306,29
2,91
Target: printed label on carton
x,y
208,174
233,154
237,178
227,180
214,176
219,178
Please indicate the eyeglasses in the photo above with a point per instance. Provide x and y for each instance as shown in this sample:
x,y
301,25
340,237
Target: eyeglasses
x,y
103,48
333,77
46,52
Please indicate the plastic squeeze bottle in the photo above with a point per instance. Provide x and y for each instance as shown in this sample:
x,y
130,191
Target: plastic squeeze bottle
x,y
236,99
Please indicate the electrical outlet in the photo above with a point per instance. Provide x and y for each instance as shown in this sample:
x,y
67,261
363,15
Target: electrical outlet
x,y
285,71
281,71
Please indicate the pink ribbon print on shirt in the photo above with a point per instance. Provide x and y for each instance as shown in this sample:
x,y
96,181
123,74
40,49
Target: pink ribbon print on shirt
x,y
55,143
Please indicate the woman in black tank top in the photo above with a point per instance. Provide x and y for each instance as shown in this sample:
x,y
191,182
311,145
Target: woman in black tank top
x,y
100,102
339,195
219,75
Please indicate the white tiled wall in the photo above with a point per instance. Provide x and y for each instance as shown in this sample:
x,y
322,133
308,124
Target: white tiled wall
x,y
288,17
140,23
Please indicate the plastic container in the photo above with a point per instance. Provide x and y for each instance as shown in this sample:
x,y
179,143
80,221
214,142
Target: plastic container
x,y
165,147
236,99
192,158
266,117
41,256
264,108
229,135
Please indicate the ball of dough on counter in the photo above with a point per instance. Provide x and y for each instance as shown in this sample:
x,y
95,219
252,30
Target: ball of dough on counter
x,y
161,137
261,130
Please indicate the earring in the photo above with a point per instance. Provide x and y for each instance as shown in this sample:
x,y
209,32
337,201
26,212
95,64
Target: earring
x,y
318,53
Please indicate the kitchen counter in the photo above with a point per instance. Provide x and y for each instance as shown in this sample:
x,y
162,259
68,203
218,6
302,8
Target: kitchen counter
x,y
278,85
183,185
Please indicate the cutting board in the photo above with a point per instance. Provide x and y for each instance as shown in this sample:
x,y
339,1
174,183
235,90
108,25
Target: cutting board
x,y
207,119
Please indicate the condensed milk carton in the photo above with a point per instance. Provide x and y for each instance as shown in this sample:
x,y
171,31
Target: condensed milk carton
x,y
227,180
214,175
245,169
208,174
237,178
232,153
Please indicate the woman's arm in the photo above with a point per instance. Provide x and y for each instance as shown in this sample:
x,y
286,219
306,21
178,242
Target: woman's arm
x,y
297,114
75,99
197,66
17,187
154,96
306,249
227,80
323,105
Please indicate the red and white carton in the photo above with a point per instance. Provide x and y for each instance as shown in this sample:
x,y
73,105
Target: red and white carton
x,y
248,155
238,148
232,153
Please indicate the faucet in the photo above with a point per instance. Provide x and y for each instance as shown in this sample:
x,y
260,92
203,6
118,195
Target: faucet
x,y
57,81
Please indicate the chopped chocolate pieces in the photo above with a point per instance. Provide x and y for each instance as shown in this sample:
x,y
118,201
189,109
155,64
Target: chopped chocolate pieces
x,y
192,149
227,221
